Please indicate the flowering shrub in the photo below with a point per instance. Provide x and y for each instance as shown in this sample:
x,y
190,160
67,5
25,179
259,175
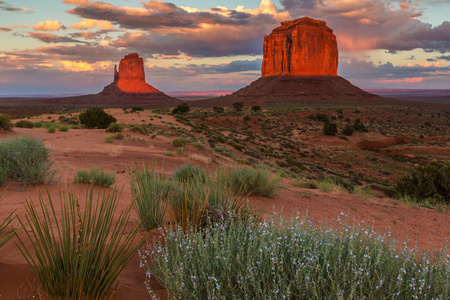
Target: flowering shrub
x,y
293,259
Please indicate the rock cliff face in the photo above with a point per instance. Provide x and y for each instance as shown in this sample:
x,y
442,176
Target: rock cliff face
x,y
300,47
131,75
129,86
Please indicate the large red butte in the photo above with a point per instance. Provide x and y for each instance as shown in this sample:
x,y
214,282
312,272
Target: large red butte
x,y
300,47
131,76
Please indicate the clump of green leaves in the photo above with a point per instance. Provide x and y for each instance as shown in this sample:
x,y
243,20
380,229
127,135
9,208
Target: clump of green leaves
x,y
330,128
181,109
24,124
430,181
115,127
95,117
5,123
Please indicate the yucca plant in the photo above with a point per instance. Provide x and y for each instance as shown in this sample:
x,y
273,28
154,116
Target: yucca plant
x,y
78,255
150,195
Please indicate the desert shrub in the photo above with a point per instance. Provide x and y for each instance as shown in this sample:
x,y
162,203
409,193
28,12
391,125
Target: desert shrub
x,y
431,181
5,123
96,176
246,118
51,128
95,117
359,126
238,106
322,117
27,159
139,128
114,127
348,130
109,139
178,142
24,124
330,128
333,183
135,109
150,195
38,124
181,109
78,255
293,259
255,108
254,181
218,110
190,172
63,128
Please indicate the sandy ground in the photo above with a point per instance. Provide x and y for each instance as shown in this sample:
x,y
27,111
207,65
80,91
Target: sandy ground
x,y
80,149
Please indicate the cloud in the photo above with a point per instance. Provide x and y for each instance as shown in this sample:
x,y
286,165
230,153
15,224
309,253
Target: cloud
x,y
52,38
7,7
90,35
374,24
167,29
444,57
48,25
88,24
181,55
5,29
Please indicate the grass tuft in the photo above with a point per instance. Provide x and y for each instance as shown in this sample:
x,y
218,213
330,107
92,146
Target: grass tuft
x,y
96,176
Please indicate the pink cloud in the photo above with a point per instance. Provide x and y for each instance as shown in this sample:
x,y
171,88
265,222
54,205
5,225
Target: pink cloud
x,y
49,25
401,80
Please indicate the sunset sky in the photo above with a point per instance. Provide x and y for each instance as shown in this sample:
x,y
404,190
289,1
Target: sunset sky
x,y
71,46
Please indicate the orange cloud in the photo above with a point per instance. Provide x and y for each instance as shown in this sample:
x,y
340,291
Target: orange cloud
x,y
48,25
88,24
83,66
401,80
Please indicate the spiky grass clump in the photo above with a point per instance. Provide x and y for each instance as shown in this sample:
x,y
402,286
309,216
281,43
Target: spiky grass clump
x,y
254,181
293,259
78,255
27,159
97,176
150,195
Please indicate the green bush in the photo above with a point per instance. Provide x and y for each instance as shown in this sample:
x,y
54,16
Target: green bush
x,y
238,106
135,109
218,110
293,259
38,124
27,159
95,117
97,176
330,128
431,181
24,124
178,142
150,196
348,130
254,181
63,128
358,126
181,109
190,172
255,108
78,255
5,123
114,127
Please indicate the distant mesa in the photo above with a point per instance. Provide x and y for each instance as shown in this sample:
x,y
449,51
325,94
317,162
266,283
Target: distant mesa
x,y
129,86
300,62
300,47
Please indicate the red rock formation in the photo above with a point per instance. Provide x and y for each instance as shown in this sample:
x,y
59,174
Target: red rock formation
x,y
300,47
131,76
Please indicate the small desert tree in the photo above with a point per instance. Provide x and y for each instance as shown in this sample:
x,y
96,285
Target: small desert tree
x,y
181,109
95,117
238,106
5,123
330,128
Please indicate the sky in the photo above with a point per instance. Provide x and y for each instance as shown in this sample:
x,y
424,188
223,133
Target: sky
x,y
71,46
